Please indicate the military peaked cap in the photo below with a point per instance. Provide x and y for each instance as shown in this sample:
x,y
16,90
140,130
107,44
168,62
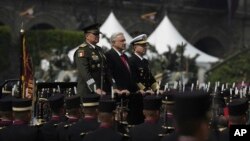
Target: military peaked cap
x,y
56,101
6,104
238,107
107,106
90,100
19,105
73,102
141,39
192,105
151,102
93,28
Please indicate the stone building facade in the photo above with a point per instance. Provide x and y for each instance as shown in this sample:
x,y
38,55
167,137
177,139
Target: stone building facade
x,y
212,26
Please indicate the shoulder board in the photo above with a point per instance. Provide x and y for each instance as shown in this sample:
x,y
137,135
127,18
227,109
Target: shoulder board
x,y
83,45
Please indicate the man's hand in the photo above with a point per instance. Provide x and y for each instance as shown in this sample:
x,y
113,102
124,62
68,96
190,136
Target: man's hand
x,y
151,92
116,91
125,91
100,91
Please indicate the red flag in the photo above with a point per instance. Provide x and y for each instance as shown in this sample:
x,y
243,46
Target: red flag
x,y
27,75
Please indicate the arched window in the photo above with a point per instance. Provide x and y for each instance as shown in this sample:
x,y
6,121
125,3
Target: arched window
x,y
210,46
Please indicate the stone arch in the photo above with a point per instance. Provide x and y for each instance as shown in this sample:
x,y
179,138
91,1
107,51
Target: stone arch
x,y
45,21
211,40
210,45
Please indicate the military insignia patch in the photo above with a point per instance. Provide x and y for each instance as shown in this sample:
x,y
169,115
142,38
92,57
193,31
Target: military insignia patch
x,y
81,53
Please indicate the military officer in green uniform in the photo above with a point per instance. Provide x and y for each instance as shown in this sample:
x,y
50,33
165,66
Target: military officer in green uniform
x,y
140,66
93,74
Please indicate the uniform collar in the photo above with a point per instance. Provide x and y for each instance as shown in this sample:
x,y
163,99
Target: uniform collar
x,y
150,121
72,119
88,118
118,52
105,125
138,56
19,122
55,118
6,122
93,46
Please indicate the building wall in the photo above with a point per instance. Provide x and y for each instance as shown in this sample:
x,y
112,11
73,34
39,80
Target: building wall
x,y
204,23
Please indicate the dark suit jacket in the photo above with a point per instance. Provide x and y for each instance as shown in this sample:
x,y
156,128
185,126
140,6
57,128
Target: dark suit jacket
x,y
119,71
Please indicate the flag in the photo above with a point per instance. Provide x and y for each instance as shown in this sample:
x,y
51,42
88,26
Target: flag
x,y
27,75
28,12
149,17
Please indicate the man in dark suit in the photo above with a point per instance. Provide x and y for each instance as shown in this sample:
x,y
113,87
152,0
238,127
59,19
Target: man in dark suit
x,y
106,131
91,63
118,64
140,66
121,71
20,129
150,130
90,122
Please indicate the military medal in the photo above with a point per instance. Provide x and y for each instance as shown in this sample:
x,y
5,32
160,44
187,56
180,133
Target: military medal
x,y
81,53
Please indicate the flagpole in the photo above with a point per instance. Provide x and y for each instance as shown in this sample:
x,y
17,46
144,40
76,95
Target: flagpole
x,y
21,62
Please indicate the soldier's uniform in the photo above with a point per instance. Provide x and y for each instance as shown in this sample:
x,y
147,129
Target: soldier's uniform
x,y
48,130
92,67
105,132
190,110
237,108
89,122
5,109
150,130
140,67
72,103
167,119
20,130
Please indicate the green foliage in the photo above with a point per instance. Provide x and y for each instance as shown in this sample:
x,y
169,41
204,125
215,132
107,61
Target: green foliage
x,y
236,69
43,41
5,44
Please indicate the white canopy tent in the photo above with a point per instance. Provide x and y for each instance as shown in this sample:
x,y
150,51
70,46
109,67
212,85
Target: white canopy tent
x,y
167,35
110,26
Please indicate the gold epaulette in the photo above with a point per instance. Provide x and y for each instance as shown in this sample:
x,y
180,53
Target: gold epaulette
x,y
155,86
141,86
83,45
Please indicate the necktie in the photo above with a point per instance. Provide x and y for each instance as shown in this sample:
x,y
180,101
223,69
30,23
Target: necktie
x,y
123,57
